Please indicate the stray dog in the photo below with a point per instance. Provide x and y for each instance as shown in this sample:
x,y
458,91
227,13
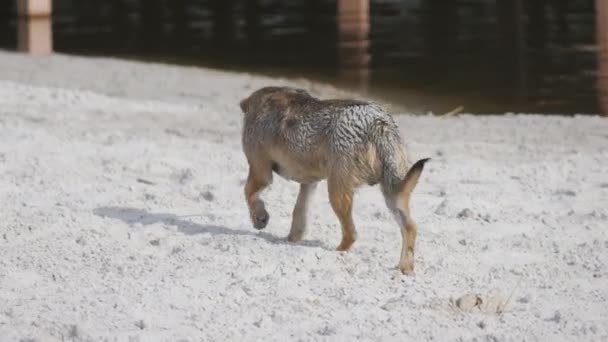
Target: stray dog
x,y
349,143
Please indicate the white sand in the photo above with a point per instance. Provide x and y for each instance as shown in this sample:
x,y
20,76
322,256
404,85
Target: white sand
x,y
88,252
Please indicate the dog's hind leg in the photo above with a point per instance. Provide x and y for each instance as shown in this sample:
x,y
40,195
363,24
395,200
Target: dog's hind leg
x,y
400,205
408,236
341,199
400,208
298,223
260,176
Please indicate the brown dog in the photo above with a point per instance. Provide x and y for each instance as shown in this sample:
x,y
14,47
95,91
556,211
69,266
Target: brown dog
x,y
349,143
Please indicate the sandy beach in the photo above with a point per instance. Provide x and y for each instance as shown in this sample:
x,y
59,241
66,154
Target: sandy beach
x,y
122,218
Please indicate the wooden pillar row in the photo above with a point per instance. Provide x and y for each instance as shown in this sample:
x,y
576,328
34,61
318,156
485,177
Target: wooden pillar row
x,y
353,41
511,28
602,43
34,30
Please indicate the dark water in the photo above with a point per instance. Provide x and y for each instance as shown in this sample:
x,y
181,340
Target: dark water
x,y
427,55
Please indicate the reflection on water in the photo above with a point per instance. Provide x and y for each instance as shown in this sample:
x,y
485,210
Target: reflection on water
x,y
427,55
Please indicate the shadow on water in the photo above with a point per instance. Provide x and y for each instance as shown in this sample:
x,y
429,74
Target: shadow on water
x,y
132,216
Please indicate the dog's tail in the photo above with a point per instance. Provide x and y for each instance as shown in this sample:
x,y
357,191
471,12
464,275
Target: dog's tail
x,y
413,174
397,178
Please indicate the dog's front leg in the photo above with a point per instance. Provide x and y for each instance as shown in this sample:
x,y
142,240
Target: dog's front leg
x,y
298,223
341,199
260,176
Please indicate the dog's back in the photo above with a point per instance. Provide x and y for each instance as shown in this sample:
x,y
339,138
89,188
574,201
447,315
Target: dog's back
x,y
304,136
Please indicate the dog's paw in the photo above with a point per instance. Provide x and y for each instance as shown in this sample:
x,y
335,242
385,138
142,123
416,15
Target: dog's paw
x,y
295,236
344,246
347,242
407,268
260,219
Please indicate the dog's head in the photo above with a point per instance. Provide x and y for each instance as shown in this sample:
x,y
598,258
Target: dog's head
x,y
271,99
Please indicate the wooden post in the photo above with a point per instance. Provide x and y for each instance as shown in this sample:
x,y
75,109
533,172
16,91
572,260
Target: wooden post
x,y
223,23
253,22
152,24
34,32
441,24
179,18
513,45
602,56
353,42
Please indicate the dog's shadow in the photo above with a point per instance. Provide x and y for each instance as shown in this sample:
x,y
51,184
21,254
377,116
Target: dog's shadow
x,y
134,215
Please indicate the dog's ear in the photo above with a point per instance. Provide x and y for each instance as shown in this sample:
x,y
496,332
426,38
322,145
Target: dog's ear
x,y
277,102
244,104
303,92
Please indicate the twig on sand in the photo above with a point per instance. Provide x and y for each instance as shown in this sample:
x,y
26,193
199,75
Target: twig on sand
x,y
501,310
145,181
453,112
